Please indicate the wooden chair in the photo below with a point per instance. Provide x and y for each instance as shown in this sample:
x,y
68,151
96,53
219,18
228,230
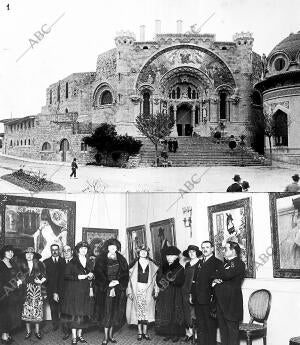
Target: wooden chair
x,y
259,306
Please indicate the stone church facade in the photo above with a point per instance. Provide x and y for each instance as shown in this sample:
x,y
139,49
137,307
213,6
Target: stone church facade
x,y
200,80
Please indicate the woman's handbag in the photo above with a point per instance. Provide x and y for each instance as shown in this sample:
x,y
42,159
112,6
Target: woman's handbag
x,y
213,306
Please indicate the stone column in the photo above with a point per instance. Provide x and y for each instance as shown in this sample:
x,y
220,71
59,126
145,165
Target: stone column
x,y
174,130
193,116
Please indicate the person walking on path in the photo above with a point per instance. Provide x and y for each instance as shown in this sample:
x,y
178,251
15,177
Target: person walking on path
x,y
294,186
74,167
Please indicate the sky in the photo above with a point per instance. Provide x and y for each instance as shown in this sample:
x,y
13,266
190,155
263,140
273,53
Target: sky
x,y
83,29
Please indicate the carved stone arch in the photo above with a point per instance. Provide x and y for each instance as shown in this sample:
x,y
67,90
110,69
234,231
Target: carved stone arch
x,y
211,58
100,89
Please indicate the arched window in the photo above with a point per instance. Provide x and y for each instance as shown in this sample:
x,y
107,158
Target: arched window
x,y
25,142
10,143
66,111
28,141
189,92
21,142
50,101
173,94
280,128
83,146
17,142
106,98
146,103
193,94
177,92
46,146
64,145
67,90
223,104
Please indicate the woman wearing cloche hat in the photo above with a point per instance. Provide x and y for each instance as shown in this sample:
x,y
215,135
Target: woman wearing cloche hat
x,y
193,253
142,291
35,275
169,307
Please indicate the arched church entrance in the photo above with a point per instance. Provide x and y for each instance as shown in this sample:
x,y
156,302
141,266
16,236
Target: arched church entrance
x,y
280,128
64,147
183,120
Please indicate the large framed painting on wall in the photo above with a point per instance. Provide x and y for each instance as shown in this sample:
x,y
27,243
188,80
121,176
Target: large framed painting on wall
x,y
285,229
162,234
95,237
36,222
136,236
232,221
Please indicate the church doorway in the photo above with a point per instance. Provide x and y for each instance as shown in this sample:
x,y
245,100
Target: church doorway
x,y
183,120
64,147
280,128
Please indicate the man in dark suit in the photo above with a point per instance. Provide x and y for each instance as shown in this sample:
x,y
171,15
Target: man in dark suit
x,y
236,186
68,255
227,285
206,325
54,273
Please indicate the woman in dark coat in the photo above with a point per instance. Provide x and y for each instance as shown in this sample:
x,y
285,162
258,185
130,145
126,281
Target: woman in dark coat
x,y
190,271
10,294
78,303
34,277
112,275
169,306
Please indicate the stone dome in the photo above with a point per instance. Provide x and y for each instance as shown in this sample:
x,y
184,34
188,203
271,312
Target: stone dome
x,y
290,46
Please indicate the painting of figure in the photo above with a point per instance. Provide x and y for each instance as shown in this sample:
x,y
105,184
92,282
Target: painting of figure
x,y
162,235
285,215
232,221
37,222
136,237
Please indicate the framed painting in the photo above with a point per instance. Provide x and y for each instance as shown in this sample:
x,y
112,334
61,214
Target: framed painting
x,y
285,229
232,221
36,222
95,237
162,235
136,236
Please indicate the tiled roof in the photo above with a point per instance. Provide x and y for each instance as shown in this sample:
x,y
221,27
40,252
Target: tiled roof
x,y
290,45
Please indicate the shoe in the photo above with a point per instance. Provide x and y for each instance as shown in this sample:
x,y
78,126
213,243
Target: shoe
x,y
66,336
167,338
140,337
74,341
38,335
28,335
112,340
146,336
81,340
104,342
175,339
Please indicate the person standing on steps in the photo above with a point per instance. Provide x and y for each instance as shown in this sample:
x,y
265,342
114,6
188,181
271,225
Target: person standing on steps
x,y
74,167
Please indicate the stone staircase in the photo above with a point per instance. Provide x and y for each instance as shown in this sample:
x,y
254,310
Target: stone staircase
x,y
202,151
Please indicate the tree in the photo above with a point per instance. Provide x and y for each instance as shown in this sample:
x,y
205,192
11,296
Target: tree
x,y
155,127
106,141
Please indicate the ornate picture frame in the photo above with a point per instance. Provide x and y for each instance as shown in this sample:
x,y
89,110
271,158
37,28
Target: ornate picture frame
x,y
285,231
95,237
36,222
136,236
162,234
233,221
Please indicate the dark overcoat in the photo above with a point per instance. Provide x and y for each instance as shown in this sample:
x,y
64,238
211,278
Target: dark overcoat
x,y
229,293
169,305
77,300
102,288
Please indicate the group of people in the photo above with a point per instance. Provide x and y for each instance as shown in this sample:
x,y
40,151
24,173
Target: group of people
x,y
238,185
108,291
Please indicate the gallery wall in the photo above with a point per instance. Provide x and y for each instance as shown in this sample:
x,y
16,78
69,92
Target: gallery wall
x,y
284,319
